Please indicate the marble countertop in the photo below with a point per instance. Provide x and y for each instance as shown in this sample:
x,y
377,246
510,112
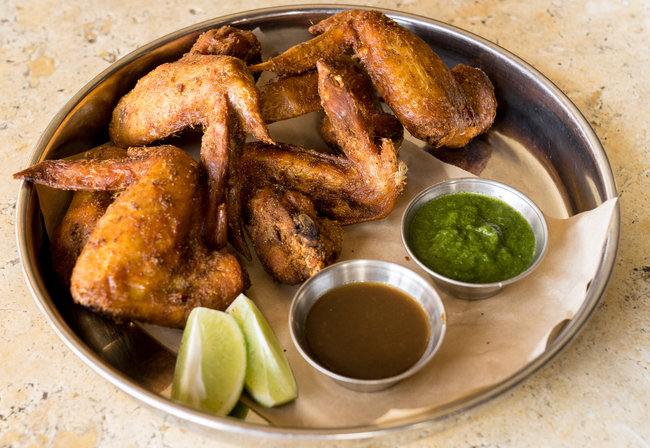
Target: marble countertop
x,y
595,393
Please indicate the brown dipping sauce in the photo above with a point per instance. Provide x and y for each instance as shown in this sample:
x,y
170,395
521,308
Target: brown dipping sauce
x,y
367,330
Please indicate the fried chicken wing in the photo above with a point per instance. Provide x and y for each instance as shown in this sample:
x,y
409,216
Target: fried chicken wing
x,y
145,259
80,219
362,186
435,104
213,91
291,239
290,96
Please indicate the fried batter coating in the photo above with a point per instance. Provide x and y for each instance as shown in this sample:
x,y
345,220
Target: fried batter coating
x,y
213,91
433,103
84,174
80,219
290,96
229,41
362,186
291,240
384,126
285,97
145,260
188,93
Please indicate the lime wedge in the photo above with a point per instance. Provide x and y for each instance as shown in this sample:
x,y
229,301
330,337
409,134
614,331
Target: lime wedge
x,y
269,379
211,362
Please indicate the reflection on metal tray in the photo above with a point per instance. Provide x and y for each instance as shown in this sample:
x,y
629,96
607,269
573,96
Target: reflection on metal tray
x,y
540,144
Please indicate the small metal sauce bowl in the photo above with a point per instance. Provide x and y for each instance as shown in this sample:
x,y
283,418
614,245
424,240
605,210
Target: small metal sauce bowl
x,y
375,271
509,195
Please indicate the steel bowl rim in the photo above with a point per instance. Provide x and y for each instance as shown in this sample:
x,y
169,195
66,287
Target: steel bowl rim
x,y
424,360
476,180
594,295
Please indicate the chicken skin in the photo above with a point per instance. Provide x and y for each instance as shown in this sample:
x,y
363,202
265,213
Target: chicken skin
x,y
229,41
80,219
292,240
290,96
213,91
297,199
435,104
145,259
362,186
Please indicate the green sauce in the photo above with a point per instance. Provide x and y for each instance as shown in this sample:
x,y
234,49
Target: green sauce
x,y
472,238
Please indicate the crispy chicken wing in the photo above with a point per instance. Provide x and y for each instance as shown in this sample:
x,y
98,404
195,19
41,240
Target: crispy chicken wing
x,y
362,186
145,259
291,239
290,96
213,91
435,104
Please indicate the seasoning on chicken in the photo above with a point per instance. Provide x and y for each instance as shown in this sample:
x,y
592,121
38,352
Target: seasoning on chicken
x,y
80,219
290,96
362,186
292,240
229,41
213,91
443,107
145,259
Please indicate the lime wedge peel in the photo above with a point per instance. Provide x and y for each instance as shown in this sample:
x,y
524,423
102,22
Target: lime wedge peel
x,y
211,364
269,379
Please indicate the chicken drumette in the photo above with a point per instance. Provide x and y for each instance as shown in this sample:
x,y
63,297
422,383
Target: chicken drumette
x,y
145,259
292,241
443,107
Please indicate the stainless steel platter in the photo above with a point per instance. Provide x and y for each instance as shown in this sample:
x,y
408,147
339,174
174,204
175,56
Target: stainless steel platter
x,y
540,144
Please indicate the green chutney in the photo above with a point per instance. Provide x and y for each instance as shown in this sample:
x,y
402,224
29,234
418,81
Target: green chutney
x,y
472,238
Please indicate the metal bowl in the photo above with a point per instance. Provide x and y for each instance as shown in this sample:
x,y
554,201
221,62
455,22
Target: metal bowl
x,y
376,271
540,143
516,199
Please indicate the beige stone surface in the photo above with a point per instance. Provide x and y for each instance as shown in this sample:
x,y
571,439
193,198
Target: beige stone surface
x,y
596,393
